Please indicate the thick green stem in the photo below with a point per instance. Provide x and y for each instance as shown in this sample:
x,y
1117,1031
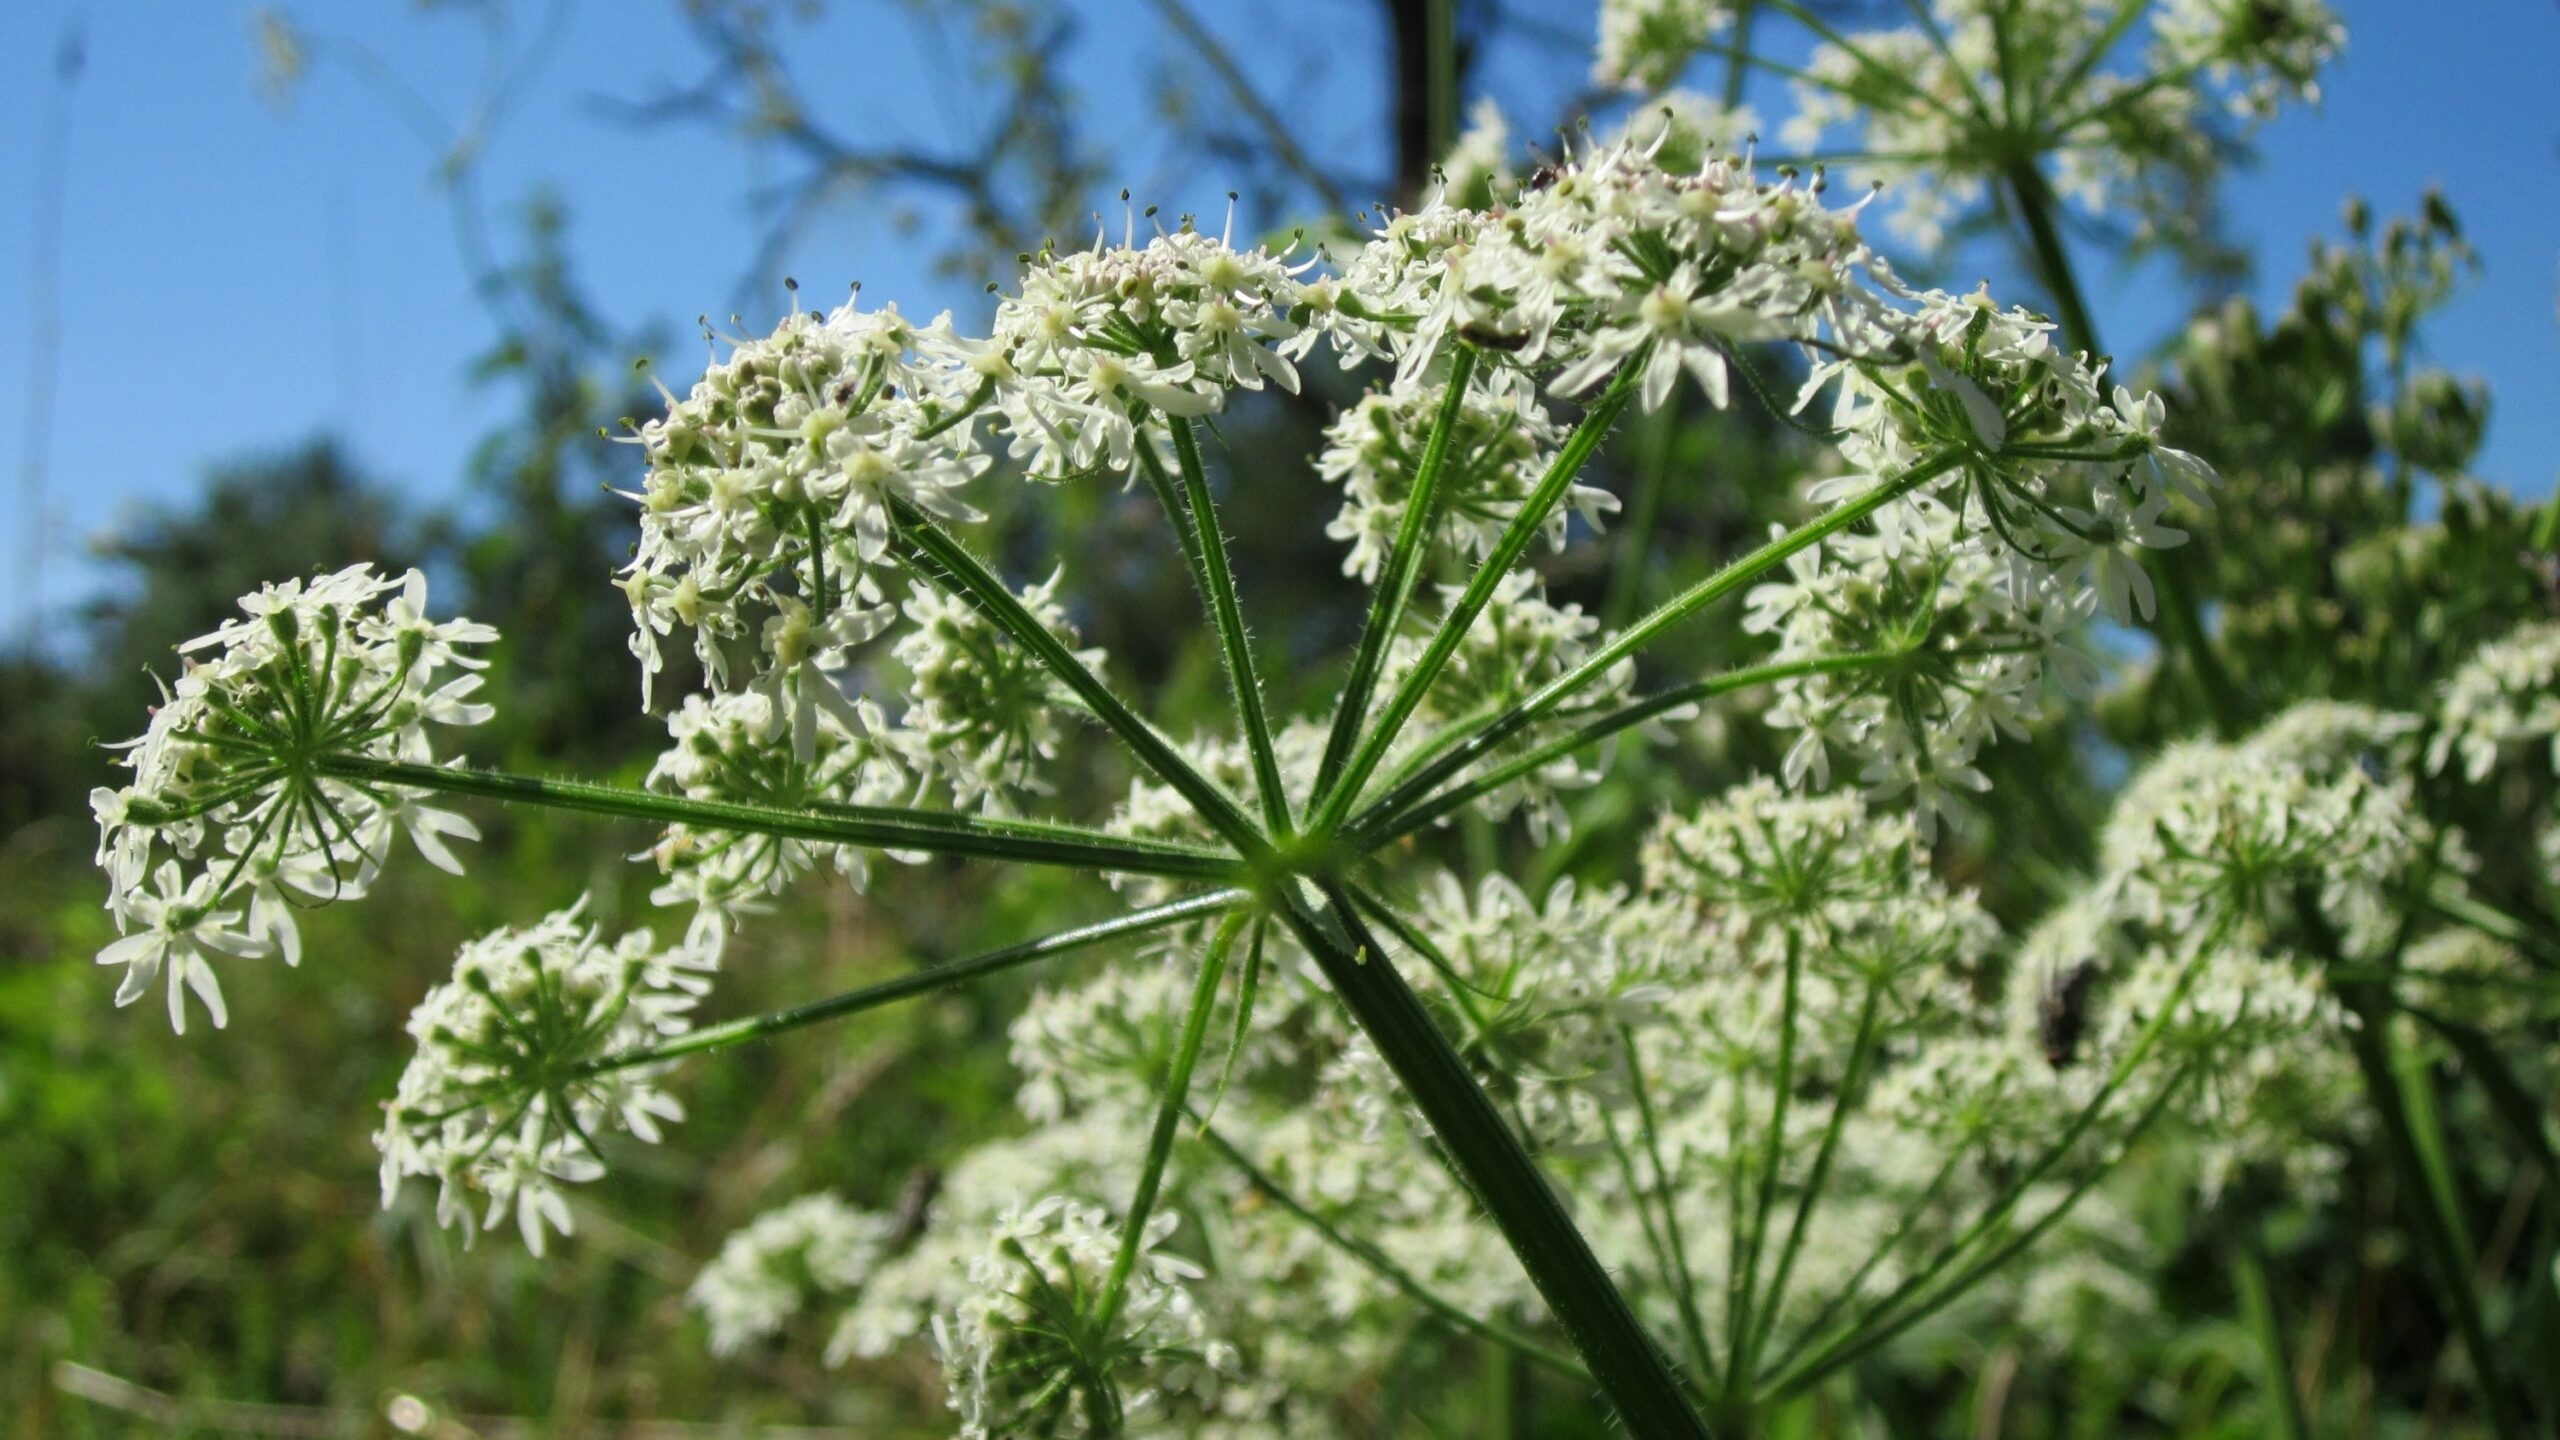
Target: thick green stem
x,y
1625,1362
876,827
1171,1106
907,987
1387,1269
1403,570
1244,678
1524,527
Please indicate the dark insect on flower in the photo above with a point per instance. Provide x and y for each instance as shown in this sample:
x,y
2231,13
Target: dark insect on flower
x,y
2062,1013
915,1204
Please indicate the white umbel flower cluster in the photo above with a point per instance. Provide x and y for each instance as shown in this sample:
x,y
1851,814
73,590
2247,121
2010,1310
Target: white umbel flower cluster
x,y
2505,697
1037,1348
1645,44
231,789
816,1245
514,1077
1966,593
778,488
1940,109
2311,822
982,712
1780,945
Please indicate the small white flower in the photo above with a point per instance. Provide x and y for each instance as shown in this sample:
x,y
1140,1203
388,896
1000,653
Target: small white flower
x,y
179,925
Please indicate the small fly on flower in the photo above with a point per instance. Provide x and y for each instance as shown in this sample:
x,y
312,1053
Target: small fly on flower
x,y
2062,1013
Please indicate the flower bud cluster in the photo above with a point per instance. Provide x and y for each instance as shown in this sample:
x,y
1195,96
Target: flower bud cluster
x,y
2308,831
1780,945
228,791
512,1082
982,712
2230,878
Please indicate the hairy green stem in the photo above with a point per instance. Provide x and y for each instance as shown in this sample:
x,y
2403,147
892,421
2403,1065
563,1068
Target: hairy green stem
x,y
1403,570
1390,823
1524,527
876,827
938,977
1170,1108
1635,637
947,557
1244,678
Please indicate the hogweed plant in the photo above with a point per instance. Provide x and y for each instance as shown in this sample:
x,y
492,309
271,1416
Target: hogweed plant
x,y
1771,1102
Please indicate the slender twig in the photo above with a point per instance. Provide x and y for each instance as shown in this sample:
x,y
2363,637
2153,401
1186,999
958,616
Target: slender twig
x,y
1275,130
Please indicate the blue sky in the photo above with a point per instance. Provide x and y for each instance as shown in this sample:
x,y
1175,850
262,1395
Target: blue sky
x,y
238,276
